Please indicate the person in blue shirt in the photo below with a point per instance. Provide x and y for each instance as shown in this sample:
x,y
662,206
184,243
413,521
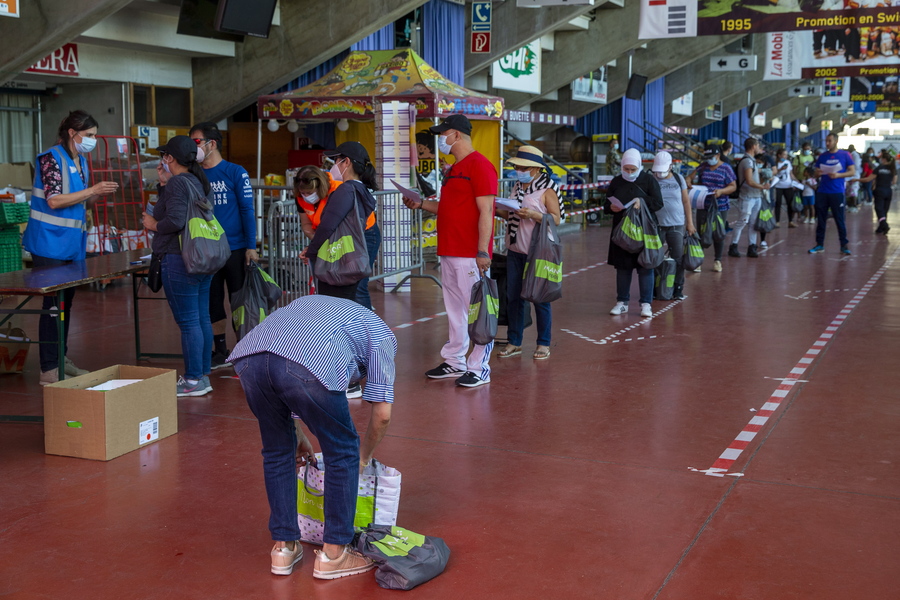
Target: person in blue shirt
x,y
233,205
298,363
56,233
832,167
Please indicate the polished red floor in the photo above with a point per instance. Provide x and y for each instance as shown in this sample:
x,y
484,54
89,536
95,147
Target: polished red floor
x,y
577,477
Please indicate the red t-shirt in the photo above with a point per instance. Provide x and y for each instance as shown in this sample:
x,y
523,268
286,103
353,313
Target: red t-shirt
x,y
457,223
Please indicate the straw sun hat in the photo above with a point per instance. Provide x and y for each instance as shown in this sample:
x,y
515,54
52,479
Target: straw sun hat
x,y
528,156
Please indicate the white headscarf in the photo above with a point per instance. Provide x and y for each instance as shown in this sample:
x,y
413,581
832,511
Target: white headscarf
x,y
631,157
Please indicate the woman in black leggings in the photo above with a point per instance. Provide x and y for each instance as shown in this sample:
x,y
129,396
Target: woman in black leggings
x,y
885,177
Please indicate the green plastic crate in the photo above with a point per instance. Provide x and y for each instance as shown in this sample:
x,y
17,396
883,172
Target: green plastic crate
x,y
10,258
14,212
10,236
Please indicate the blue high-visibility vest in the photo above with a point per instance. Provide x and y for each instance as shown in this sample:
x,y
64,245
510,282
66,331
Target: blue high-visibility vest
x,y
58,233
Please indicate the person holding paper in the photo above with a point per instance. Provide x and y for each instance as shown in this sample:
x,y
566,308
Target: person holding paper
x,y
641,187
832,167
720,180
56,232
465,230
784,188
536,197
300,361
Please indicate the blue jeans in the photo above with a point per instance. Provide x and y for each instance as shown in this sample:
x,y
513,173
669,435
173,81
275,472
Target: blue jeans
x,y
188,297
834,202
47,330
275,387
373,243
515,306
645,284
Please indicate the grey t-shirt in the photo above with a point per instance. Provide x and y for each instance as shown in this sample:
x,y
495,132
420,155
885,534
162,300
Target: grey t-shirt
x,y
746,191
672,212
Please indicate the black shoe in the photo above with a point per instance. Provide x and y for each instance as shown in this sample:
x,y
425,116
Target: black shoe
x,y
444,371
219,361
677,293
354,391
751,251
733,251
470,379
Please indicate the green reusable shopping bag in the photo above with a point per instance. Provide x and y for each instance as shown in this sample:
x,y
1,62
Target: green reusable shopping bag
x,y
484,306
254,301
542,278
204,245
692,256
405,558
765,221
629,233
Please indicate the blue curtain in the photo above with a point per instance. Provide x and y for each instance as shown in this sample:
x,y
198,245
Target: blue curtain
x,y
816,140
632,116
738,127
654,111
776,136
715,130
444,38
383,39
606,119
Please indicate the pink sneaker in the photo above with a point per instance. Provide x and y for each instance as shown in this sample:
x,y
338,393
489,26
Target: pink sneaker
x,y
350,562
284,559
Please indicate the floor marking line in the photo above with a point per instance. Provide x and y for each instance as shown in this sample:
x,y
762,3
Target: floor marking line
x,y
610,339
728,457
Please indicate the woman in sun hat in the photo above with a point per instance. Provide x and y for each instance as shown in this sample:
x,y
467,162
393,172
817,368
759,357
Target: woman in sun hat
x,y
538,196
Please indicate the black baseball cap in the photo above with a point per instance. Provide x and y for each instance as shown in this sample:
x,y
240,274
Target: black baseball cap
x,y
711,151
181,147
352,150
458,122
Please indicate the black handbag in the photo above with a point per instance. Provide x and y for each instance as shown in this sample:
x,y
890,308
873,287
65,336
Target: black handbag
x,y
154,275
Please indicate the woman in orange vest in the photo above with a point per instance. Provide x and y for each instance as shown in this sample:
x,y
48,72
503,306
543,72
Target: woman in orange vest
x,y
312,186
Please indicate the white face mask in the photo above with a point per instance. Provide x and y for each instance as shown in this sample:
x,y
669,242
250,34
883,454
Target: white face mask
x,y
712,161
630,176
336,174
443,146
85,145
201,154
660,174
312,198
166,167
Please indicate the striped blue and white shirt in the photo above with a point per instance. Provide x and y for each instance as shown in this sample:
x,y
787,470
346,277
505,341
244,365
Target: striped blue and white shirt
x,y
338,340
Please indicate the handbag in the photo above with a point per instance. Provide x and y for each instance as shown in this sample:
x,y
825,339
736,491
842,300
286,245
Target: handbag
x,y
405,558
254,301
629,233
542,279
344,258
712,225
765,220
484,306
377,500
692,255
665,279
154,273
204,245
652,254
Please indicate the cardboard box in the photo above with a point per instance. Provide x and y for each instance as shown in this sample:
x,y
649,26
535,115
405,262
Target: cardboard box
x,y
103,425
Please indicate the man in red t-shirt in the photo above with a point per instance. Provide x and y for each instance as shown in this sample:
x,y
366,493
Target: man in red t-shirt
x,y
465,232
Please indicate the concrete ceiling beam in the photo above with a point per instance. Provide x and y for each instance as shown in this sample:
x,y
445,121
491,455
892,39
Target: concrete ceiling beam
x,y
310,34
44,26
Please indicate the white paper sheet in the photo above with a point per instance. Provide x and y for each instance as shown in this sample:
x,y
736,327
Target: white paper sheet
x,y
618,203
113,384
406,192
831,168
506,204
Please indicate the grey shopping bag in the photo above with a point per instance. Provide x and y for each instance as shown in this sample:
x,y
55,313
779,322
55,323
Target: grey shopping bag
x,y
629,233
484,305
542,279
404,558
344,259
204,245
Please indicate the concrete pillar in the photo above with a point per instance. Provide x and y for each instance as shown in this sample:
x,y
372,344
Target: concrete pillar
x,y
311,32
44,26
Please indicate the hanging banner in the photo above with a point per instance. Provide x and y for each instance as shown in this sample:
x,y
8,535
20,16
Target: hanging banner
x,y
684,105
830,53
62,61
591,88
875,94
9,8
520,70
689,18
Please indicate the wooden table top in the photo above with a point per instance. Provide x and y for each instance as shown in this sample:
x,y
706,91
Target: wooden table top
x,y
46,280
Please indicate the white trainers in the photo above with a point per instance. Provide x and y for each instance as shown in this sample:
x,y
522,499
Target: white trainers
x,y
717,266
763,244
619,309
646,310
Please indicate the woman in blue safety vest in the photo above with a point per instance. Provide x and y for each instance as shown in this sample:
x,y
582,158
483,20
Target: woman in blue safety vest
x,y
56,233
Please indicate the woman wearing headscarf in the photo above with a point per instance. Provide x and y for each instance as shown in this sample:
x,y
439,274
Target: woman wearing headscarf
x,y
638,185
538,198
56,232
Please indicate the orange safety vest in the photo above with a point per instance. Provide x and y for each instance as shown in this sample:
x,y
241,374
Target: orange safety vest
x,y
314,211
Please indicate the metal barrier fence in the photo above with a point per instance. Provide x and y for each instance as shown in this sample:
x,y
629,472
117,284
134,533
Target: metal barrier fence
x,y
399,258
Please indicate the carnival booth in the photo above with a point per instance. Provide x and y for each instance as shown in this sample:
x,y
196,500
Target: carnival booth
x,y
381,99
351,92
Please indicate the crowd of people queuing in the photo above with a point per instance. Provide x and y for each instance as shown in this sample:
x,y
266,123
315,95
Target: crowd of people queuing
x,y
305,361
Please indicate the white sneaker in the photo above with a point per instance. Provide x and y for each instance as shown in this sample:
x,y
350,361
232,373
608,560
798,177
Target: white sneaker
x,y
763,244
717,266
619,309
646,311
